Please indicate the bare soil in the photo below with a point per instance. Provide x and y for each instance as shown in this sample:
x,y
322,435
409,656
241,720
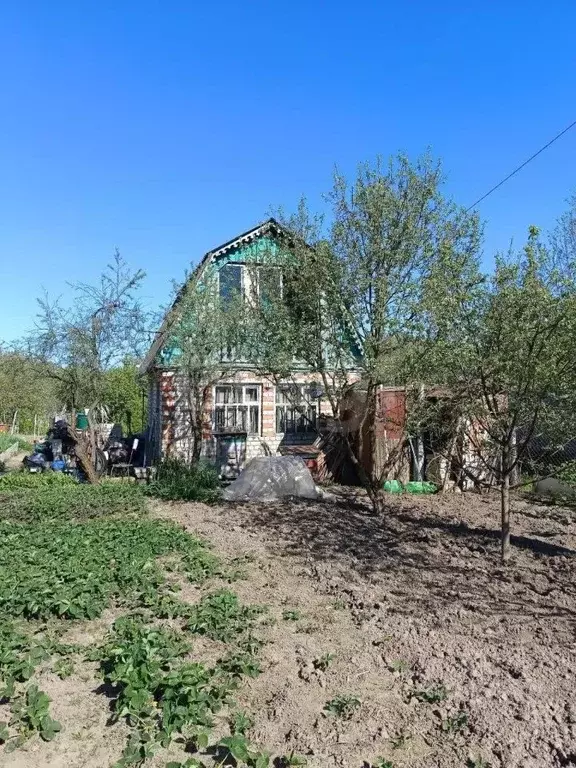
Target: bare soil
x,y
409,605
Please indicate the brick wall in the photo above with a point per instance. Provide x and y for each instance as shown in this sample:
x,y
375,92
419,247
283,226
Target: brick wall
x,y
170,413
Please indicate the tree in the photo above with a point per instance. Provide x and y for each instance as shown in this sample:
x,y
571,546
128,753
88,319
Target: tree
x,y
510,363
24,391
204,339
76,344
124,396
352,306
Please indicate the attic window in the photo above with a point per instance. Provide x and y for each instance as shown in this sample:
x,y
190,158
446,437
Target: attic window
x,y
230,277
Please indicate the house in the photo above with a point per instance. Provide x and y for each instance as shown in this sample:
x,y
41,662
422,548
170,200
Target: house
x,y
245,413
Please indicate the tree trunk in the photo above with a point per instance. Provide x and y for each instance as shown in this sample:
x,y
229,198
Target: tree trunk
x,y
505,511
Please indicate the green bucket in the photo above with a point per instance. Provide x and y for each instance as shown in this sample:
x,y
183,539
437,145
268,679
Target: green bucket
x,y
417,487
81,421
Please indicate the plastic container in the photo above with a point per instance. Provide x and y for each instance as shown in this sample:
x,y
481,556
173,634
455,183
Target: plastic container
x,y
418,487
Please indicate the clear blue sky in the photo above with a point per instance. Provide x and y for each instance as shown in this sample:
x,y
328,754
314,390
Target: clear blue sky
x,y
165,128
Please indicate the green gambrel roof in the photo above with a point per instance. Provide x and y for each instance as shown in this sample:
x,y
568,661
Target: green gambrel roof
x,y
267,229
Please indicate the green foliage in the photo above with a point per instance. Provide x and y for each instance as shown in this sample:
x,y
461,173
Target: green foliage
x,y
30,714
323,662
6,441
97,327
64,668
220,616
342,706
291,614
74,570
240,722
432,695
381,763
478,762
123,396
399,665
25,388
240,749
159,692
455,723
54,496
286,761
19,657
178,481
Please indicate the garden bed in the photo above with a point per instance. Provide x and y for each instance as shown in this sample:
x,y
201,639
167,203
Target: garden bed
x,y
311,631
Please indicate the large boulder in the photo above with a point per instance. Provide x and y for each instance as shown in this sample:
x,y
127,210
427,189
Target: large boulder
x,y
269,478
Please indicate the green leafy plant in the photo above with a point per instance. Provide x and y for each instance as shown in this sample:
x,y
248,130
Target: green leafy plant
x,y
240,722
456,722
220,616
287,761
399,665
291,614
400,740
74,570
342,706
323,662
241,750
64,668
432,695
19,657
478,762
30,714
53,496
177,481
159,693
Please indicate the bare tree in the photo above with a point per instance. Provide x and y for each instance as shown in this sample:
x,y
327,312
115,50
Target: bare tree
x,y
76,342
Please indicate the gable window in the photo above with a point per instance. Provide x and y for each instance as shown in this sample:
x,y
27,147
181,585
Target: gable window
x,y
295,411
269,284
230,281
237,408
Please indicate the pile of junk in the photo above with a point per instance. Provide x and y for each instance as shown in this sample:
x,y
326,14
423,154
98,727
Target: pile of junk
x,y
86,450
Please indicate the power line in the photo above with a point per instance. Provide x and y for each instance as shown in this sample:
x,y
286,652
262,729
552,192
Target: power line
x,y
514,172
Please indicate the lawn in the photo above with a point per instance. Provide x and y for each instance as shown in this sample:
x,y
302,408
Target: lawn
x,y
141,632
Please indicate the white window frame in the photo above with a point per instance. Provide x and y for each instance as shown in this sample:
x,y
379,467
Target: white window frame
x,y
303,405
232,421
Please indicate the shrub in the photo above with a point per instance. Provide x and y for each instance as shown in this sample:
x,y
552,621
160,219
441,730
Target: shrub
x,y
177,481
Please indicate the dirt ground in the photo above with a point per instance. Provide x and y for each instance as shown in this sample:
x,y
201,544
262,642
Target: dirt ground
x,y
409,605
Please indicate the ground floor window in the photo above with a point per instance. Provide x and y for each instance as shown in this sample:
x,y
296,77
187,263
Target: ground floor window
x,y
296,411
237,408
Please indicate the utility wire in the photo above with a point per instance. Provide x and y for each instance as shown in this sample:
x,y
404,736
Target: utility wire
x,y
514,172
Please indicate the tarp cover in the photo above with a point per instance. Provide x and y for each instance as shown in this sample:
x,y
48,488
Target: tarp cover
x,y
269,478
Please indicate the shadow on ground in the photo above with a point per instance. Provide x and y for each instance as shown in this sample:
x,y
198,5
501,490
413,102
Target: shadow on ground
x,y
427,554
